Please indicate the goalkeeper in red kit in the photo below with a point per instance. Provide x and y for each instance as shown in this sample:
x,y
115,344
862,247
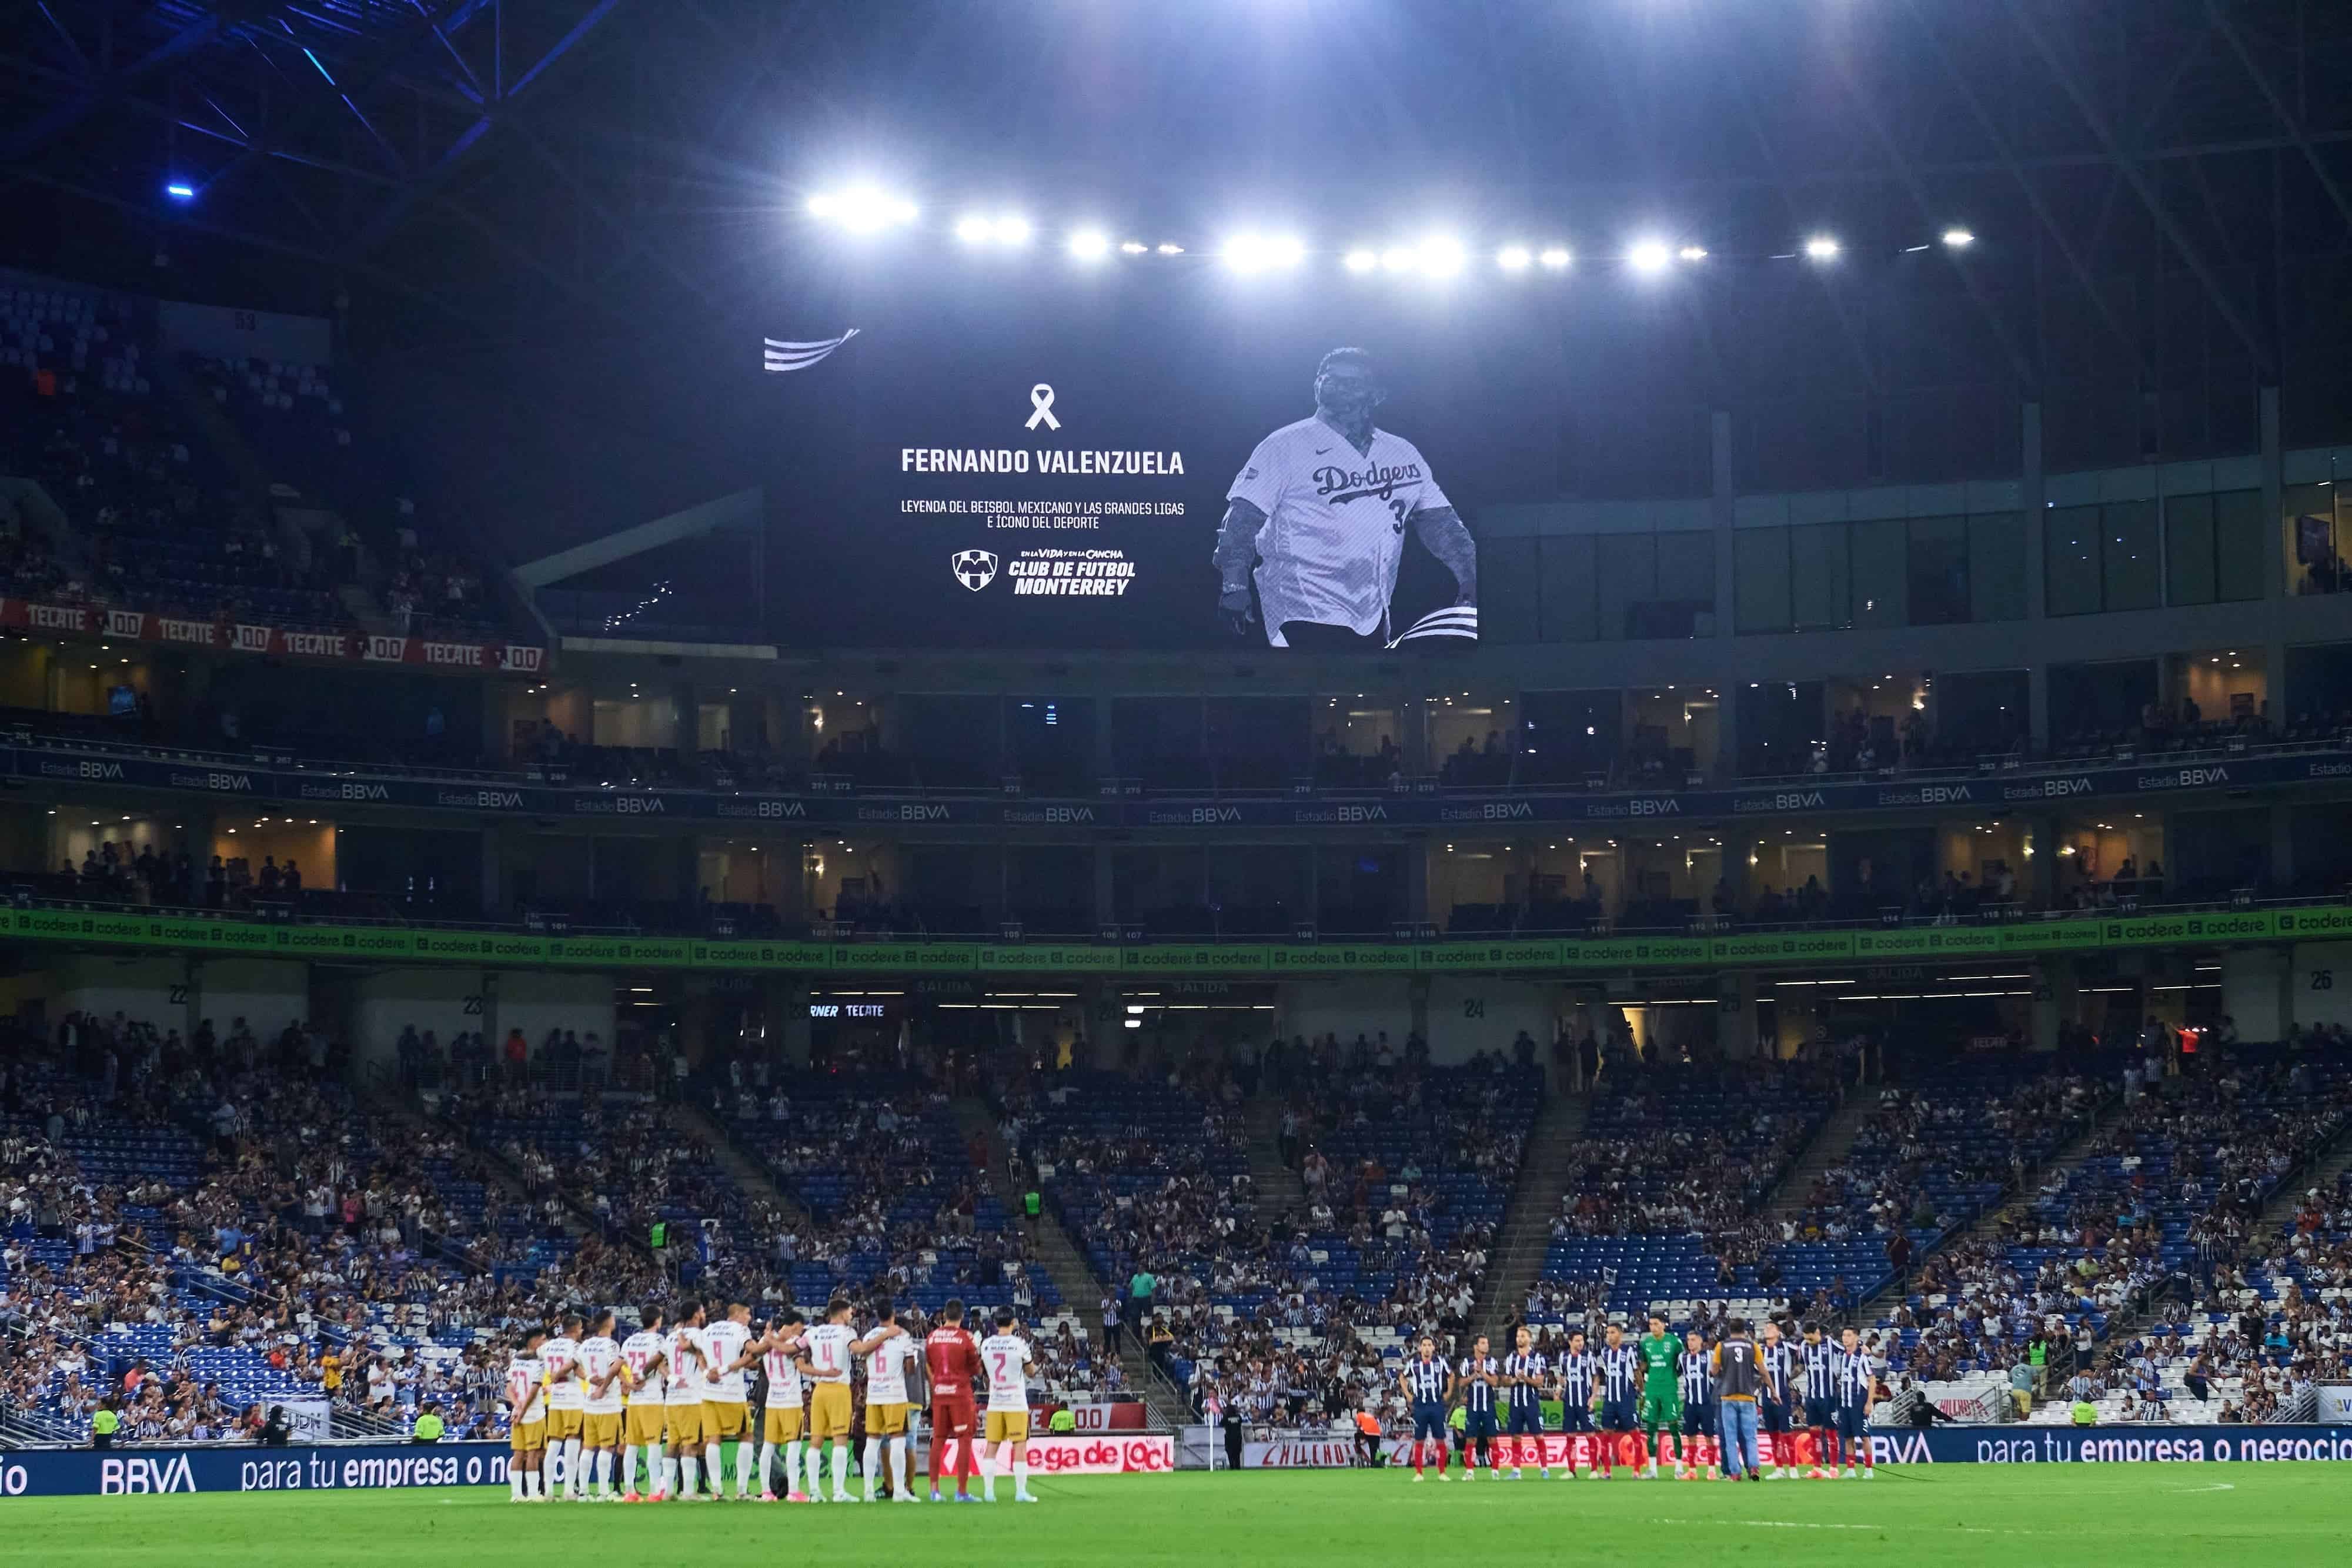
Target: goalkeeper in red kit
x,y
950,1361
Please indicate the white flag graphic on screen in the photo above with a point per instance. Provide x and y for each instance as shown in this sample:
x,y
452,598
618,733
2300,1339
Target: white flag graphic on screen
x,y
783,356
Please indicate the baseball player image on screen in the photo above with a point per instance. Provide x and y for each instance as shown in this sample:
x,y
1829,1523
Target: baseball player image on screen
x,y
1320,511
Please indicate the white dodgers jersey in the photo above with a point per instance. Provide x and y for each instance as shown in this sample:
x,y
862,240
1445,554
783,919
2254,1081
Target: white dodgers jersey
x,y
827,1348
1006,1358
1335,523
725,1341
886,1370
639,1351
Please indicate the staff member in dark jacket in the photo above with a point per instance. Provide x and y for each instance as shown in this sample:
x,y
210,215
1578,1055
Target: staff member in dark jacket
x,y
1738,1379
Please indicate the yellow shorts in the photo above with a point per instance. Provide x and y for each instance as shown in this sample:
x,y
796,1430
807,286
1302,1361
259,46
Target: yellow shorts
x,y
784,1424
685,1426
529,1437
829,1411
562,1424
723,1420
886,1420
645,1425
1006,1426
600,1431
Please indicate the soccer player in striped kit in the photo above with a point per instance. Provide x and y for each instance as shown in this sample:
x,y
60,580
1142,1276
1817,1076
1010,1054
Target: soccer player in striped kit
x,y
1776,1364
1428,1385
1857,1391
1820,1369
1621,1376
1579,1373
1481,1374
1524,1377
1700,1419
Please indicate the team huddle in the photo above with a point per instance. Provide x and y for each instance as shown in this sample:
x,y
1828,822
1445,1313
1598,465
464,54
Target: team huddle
x,y
675,1398
1677,1393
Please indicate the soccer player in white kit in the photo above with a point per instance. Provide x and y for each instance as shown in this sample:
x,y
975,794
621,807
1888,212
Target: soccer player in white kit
x,y
887,1403
643,1353
603,1379
780,1351
724,1413
1320,510
567,1399
1004,1356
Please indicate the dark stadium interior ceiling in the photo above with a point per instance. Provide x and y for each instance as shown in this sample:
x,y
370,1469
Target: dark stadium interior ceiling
x,y
2162,188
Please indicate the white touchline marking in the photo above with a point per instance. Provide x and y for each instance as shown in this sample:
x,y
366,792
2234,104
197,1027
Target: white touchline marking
x,y
2217,1486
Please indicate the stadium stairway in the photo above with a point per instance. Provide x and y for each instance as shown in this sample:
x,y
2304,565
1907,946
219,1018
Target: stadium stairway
x,y
2322,1171
1829,1150
1073,1277
1278,1186
745,1172
1526,1235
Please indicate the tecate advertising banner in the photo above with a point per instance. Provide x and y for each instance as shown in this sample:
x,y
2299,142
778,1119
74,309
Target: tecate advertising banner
x,y
1160,471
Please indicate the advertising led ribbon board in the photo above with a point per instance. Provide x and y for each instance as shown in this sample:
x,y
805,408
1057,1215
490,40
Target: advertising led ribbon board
x,y
1551,956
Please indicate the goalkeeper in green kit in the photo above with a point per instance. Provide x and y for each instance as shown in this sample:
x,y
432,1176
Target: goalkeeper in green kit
x,y
1661,1400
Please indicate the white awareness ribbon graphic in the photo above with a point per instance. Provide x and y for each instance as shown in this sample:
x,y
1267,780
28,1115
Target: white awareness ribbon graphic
x,y
1041,401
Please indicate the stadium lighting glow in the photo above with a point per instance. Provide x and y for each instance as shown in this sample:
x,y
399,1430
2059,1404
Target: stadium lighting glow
x,y
1255,252
1133,246
1692,253
1089,244
1513,259
972,231
1557,255
1959,239
1649,256
1360,261
1286,251
1396,258
1166,248
180,191
1441,256
862,209
1820,247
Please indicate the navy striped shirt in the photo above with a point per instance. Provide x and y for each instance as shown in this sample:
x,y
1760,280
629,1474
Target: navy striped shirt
x,y
1578,1368
1622,1365
1698,1382
1524,1395
1425,1380
1821,1370
1478,1397
1853,1378
1774,1360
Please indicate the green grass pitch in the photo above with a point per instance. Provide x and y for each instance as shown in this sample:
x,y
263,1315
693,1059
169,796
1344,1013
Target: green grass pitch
x,y
2139,1517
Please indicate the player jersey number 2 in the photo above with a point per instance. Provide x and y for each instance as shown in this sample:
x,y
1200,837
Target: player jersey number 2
x,y
1404,509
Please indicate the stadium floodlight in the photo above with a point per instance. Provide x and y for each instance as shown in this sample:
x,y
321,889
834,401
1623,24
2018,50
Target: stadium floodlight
x,y
1513,259
975,230
862,209
1286,250
1244,251
1397,259
1133,246
1959,239
1012,231
1692,253
180,190
1089,244
1557,257
1441,256
1649,256
1168,248
1360,260
1822,247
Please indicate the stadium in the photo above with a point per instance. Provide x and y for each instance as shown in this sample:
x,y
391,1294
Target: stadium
x,y
1281,772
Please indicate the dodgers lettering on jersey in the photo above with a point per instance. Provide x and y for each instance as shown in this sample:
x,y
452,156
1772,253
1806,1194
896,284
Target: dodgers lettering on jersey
x,y
524,1374
783,1368
561,1356
1335,522
686,1362
1821,1370
725,1340
601,1358
826,1347
1622,1366
1479,1396
1698,1380
886,1370
1006,1360
1578,1369
641,1351
1853,1378
1526,1396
